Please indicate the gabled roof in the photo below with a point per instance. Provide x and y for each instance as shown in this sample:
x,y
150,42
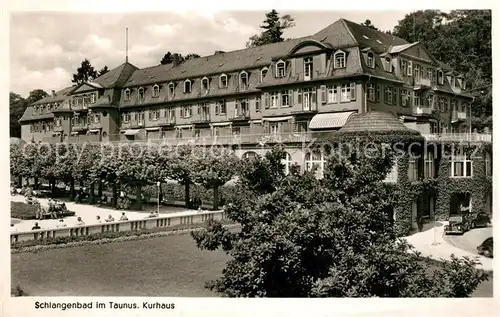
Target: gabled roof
x,y
59,96
116,77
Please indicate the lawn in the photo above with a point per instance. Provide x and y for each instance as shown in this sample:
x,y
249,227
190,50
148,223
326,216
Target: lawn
x,y
20,210
167,266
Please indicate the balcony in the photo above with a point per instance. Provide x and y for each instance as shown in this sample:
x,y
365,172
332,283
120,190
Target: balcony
x,y
458,116
421,110
80,127
421,83
203,119
459,137
241,116
58,128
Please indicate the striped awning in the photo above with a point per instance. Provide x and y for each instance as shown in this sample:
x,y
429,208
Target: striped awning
x,y
153,129
132,132
330,120
220,124
277,118
94,131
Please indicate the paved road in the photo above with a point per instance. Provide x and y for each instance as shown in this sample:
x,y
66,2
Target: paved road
x,y
469,240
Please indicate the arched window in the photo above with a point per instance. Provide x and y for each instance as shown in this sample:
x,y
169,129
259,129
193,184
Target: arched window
x,y
287,161
263,73
243,79
440,77
280,69
315,161
370,61
249,155
205,84
127,94
223,81
339,58
187,86
141,93
156,91
171,90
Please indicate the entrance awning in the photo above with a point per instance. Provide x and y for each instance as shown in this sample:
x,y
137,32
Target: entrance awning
x,y
131,132
330,120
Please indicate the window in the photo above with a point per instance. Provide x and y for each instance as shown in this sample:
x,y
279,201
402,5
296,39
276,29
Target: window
x,y
315,162
419,72
461,167
141,117
154,114
156,91
388,67
370,60
92,98
241,108
441,104
280,69
488,164
171,90
285,98
405,98
430,74
187,86
404,67
308,97
452,81
249,155
204,84
347,92
127,96
171,115
417,99
257,104
412,169
440,77
371,92
141,94
243,79
429,164
409,69
430,102
392,176
388,95
223,81
287,161
220,107
339,58
333,92
186,111
308,68
275,99
263,73
97,118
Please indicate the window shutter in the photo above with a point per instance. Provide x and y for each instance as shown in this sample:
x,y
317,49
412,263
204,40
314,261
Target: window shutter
x,y
323,95
395,96
266,100
377,93
290,97
299,97
314,96
410,70
182,112
217,107
353,91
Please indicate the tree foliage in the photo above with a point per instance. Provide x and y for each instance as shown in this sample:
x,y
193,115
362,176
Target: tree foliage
x,y
103,71
168,58
368,23
274,27
461,39
325,238
84,73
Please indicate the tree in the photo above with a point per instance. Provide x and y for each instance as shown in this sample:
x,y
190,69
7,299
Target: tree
x,y
17,107
36,95
327,238
169,58
84,73
214,167
191,56
103,71
274,26
181,165
369,24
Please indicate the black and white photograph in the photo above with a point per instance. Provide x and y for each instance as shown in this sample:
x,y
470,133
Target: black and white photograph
x,y
269,153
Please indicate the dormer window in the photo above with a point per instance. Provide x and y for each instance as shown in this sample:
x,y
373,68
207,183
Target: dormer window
x,y
204,84
370,60
171,89
308,68
244,79
280,69
452,81
223,81
127,94
141,93
156,91
187,86
388,64
440,77
339,58
263,73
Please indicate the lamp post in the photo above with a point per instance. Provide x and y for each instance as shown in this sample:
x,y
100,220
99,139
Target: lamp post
x,y
158,210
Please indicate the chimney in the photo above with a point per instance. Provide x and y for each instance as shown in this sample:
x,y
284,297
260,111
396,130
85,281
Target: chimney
x,y
53,93
176,59
219,52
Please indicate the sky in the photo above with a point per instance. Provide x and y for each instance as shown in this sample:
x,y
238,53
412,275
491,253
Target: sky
x,y
46,48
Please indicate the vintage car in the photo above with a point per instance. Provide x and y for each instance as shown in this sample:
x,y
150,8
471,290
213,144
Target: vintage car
x,y
486,248
481,219
457,225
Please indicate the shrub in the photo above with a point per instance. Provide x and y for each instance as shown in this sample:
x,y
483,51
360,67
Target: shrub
x,y
17,292
22,210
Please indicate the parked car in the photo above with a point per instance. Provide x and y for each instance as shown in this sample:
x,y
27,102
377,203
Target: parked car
x,y
481,219
457,225
486,248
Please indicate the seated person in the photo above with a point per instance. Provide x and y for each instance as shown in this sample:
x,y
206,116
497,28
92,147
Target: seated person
x,y
104,199
61,224
153,214
36,226
110,218
123,217
79,222
98,219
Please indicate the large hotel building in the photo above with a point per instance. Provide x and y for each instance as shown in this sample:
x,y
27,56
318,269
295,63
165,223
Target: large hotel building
x,y
286,92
